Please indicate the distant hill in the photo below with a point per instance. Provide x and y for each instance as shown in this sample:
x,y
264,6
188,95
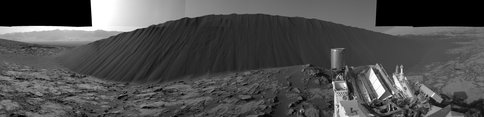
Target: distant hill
x,y
447,31
59,35
12,44
222,43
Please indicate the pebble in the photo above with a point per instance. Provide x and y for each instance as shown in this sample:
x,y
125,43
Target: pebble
x,y
245,97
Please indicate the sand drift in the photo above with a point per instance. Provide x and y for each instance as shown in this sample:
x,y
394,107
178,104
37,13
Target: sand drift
x,y
223,43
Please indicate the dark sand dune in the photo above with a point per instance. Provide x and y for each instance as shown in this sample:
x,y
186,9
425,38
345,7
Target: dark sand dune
x,y
221,43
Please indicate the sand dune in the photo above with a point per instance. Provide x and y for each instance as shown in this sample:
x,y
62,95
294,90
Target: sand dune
x,y
221,43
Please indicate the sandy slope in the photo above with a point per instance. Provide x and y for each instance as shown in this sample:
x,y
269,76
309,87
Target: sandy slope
x,y
220,43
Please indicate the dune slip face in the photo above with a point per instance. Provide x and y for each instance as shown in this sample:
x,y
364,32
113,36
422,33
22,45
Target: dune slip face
x,y
222,43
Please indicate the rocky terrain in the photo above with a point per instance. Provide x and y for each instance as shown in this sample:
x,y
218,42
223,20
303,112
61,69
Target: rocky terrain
x,y
289,91
459,79
20,48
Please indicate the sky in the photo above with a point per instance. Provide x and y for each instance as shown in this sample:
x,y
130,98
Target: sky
x,y
127,15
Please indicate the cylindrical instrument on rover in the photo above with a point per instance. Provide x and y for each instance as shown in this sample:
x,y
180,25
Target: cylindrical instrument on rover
x,y
337,58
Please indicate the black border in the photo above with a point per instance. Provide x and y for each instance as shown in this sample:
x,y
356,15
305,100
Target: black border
x,y
45,13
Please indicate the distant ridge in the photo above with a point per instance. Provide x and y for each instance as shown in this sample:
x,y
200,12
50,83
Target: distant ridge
x,y
221,43
59,35
9,43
